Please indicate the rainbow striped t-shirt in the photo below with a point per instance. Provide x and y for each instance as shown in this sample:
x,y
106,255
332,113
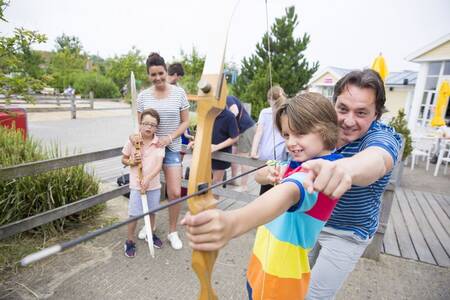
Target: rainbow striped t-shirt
x,y
279,266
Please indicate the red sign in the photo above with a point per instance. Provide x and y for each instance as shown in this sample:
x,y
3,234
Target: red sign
x,y
14,117
328,80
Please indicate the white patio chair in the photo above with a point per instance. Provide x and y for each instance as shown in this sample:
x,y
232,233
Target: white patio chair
x,y
422,147
443,158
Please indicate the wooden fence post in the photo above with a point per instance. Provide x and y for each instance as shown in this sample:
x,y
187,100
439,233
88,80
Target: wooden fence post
x,y
91,99
73,108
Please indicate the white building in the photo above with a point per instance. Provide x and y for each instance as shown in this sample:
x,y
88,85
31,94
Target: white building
x,y
399,88
434,60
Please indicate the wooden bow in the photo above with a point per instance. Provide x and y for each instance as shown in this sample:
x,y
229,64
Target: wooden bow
x,y
211,101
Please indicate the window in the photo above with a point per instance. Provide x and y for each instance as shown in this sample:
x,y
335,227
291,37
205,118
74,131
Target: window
x,y
434,68
447,68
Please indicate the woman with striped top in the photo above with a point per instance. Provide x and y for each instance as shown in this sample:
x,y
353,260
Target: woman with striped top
x,y
170,101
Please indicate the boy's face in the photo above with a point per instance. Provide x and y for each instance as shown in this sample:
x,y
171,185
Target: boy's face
x,y
157,76
355,109
173,79
148,126
302,146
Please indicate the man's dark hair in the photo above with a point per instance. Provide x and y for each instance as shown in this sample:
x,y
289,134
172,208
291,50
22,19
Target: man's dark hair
x,y
175,68
366,78
154,59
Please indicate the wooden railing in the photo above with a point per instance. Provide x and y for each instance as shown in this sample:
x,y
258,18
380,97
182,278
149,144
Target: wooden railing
x,y
29,169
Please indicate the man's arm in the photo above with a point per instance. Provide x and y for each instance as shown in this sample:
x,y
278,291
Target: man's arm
x,y
334,178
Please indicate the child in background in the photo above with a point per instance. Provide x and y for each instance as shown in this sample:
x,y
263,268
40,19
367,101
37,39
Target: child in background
x,y
268,144
151,157
293,216
225,134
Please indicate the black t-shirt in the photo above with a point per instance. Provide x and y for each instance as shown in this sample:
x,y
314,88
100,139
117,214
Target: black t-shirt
x,y
243,118
225,127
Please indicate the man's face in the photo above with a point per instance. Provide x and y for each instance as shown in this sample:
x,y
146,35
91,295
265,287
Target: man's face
x,y
355,108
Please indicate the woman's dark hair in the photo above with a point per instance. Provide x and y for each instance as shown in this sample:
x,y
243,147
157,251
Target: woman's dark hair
x,y
364,79
154,59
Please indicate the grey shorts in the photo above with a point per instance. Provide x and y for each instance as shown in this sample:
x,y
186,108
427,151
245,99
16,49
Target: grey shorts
x,y
244,144
135,203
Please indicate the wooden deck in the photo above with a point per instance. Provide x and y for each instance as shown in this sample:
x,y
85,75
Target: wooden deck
x,y
419,227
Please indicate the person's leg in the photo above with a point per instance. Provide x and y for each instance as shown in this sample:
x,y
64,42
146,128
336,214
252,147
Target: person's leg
x,y
131,230
153,197
218,176
173,184
134,209
337,258
234,167
244,146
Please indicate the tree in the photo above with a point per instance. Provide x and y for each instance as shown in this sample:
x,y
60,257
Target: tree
x,y
69,43
290,69
193,67
19,64
67,61
119,68
400,125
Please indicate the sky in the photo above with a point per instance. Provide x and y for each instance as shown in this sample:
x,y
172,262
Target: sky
x,y
343,33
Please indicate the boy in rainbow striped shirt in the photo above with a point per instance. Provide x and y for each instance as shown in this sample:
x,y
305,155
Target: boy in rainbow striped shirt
x,y
293,216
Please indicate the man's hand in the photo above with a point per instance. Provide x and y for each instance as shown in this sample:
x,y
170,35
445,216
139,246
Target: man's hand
x,y
208,230
328,177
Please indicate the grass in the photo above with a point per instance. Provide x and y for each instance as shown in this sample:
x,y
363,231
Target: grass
x,y
13,249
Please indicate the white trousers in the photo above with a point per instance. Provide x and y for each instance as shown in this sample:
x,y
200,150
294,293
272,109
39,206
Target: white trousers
x,y
332,259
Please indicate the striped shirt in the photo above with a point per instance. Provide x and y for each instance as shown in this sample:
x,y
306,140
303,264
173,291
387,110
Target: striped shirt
x,y
169,110
279,266
358,209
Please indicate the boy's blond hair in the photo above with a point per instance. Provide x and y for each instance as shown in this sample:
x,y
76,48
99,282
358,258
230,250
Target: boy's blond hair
x,y
310,113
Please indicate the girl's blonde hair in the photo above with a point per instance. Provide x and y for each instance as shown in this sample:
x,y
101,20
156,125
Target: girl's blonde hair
x,y
277,95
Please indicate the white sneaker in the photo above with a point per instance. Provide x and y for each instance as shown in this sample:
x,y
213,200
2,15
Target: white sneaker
x,y
142,234
174,240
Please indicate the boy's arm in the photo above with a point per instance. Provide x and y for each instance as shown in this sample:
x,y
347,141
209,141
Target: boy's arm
x,y
224,144
212,229
256,140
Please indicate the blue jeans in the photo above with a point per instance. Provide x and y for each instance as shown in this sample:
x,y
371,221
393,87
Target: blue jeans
x,y
172,158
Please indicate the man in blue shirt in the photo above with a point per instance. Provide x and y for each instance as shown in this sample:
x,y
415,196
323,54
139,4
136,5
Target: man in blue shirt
x,y
370,150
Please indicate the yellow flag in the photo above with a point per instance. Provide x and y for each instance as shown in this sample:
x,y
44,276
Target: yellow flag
x,y
380,66
444,93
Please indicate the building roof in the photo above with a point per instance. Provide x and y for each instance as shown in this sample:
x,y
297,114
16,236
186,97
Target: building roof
x,y
428,47
394,78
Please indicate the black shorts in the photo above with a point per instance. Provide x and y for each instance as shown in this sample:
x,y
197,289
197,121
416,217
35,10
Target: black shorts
x,y
220,165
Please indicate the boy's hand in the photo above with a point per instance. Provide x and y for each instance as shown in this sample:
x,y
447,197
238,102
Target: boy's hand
x,y
208,230
214,148
145,183
327,177
275,173
136,159
135,138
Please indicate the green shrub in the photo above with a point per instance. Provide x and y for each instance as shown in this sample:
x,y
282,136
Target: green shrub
x,y
400,125
30,195
102,86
